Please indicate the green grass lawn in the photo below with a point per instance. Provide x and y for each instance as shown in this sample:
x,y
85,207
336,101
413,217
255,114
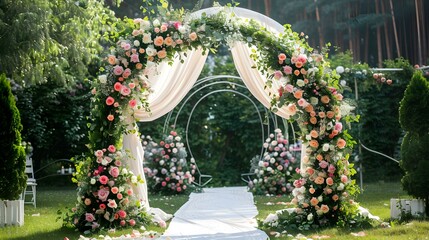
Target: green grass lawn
x,y
40,222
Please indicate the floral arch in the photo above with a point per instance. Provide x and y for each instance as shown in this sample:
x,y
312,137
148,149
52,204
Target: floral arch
x,y
154,65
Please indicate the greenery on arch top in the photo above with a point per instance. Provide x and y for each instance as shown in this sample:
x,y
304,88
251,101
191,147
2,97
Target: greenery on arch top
x,y
309,92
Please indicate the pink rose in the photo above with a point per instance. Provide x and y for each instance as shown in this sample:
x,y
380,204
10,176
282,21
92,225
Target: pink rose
x,y
114,190
118,70
132,222
278,75
109,100
178,189
132,103
114,171
89,217
130,192
111,148
338,126
162,224
164,183
103,179
302,103
177,25
344,178
302,58
323,164
118,163
110,117
282,57
329,181
119,196
112,203
193,36
134,58
99,153
122,223
126,73
131,85
287,70
125,91
122,214
331,168
103,194
289,88
126,46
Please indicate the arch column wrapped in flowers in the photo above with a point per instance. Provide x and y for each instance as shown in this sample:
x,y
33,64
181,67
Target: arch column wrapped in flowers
x,y
154,65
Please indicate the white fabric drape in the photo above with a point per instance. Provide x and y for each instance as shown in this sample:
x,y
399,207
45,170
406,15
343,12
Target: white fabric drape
x,y
172,84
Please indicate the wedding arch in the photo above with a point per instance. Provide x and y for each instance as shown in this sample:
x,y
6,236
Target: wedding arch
x,y
154,65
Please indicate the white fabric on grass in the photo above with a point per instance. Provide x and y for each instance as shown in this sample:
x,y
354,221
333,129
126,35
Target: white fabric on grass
x,y
216,213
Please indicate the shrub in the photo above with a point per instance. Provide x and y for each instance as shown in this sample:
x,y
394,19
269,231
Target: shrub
x,y
413,115
12,154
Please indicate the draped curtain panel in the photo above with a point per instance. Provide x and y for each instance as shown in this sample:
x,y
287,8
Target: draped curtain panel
x,y
173,82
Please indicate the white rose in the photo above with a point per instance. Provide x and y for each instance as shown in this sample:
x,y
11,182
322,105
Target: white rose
x,y
147,38
314,101
156,23
340,187
325,147
310,217
92,181
145,25
151,51
272,160
161,162
178,139
182,29
340,69
308,137
124,171
134,179
343,83
320,198
260,163
136,43
261,172
300,83
269,169
319,212
102,78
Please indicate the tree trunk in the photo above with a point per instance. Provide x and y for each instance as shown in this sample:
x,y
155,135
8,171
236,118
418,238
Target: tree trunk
x,y
379,50
392,13
419,44
267,4
319,26
386,33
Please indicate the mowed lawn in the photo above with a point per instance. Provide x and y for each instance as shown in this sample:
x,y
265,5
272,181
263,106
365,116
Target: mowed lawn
x,y
40,222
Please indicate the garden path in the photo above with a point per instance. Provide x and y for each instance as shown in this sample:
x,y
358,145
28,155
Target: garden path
x,y
216,213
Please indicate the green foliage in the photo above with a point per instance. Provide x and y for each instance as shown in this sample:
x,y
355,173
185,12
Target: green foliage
x,y
414,110
12,156
51,40
414,150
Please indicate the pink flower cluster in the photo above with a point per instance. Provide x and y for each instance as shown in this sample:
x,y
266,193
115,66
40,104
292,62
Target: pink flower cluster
x,y
274,170
167,168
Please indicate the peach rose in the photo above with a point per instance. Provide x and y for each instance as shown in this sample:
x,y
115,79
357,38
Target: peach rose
x,y
298,64
114,190
319,157
322,114
162,54
319,180
341,143
314,201
325,99
335,197
282,57
296,72
314,143
110,117
310,171
303,72
330,114
111,59
291,108
312,190
168,41
309,108
314,134
344,178
193,36
329,181
313,120
298,94
158,41
324,208
312,113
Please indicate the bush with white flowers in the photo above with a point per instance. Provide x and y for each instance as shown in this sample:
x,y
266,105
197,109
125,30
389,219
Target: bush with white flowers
x,y
274,170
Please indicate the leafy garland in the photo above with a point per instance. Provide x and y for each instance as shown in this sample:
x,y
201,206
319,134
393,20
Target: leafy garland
x,y
310,93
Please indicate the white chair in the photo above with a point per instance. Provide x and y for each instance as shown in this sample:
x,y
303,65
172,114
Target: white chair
x,y
31,183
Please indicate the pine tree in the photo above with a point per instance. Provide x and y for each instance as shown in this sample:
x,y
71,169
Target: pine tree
x,y
12,156
414,111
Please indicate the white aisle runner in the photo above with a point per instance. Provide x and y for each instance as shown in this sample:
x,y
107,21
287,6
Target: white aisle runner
x,y
216,213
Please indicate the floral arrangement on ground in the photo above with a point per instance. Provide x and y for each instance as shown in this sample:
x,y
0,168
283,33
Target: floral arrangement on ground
x,y
166,166
275,169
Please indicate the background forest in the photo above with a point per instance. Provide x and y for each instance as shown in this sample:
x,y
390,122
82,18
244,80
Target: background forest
x,y
51,51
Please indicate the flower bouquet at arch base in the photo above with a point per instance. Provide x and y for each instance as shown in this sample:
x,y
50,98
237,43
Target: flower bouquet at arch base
x,y
166,166
275,169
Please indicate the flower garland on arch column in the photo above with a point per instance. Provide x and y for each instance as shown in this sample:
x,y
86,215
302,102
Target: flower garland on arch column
x,y
309,91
